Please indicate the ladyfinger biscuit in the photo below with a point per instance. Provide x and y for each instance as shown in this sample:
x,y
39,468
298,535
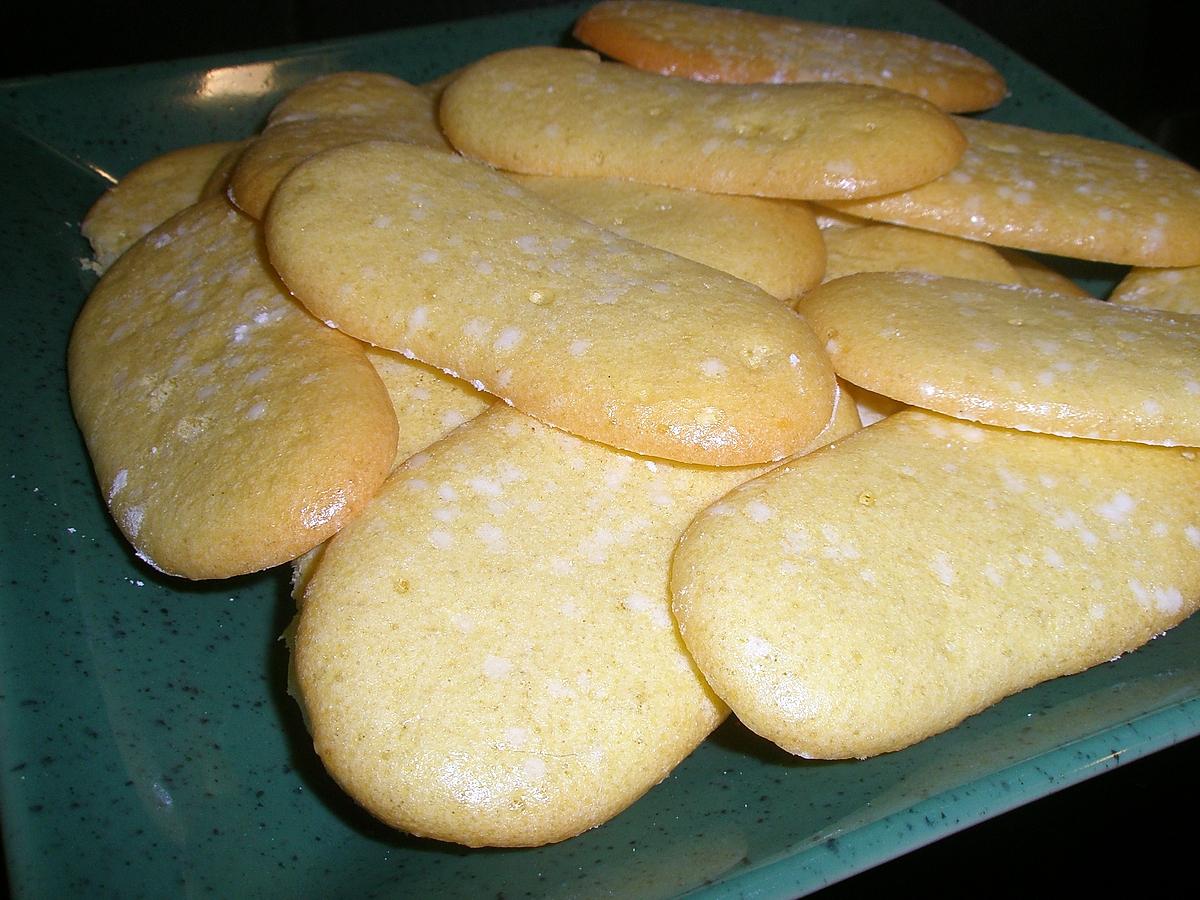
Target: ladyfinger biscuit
x,y
230,431
333,111
487,656
774,244
549,111
149,195
828,218
1056,193
731,45
1014,356
1177,290
1037,274
370,95
891,585
452,264
893,248
428,404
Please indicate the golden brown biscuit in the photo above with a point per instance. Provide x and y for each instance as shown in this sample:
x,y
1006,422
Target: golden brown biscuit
x,y
1040,275
549,111
1056,193
230,431
450,263
774,244
885,588
487,655
333,111
1014,356
893,248
1176,289
151,194
732,45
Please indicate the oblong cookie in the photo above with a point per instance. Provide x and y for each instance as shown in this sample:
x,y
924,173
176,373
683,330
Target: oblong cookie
x,y
732,45
549,111
893,248
446,261
1013,356
229,429
487,656
1056,193
1175,289
151,194
373,95
887,587
428,403
333,111
774,244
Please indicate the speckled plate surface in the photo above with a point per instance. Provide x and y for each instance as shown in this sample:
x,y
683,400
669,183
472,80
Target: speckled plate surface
x,y
147,744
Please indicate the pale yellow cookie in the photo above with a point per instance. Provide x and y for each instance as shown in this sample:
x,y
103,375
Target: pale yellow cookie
x,y
715,44
893,248
448,262
879,591
550,111
487,654
772,243
1040,275
370,95
148,196
333,111
1056,193
229,429
428,403
1177,289
834,218
1014,356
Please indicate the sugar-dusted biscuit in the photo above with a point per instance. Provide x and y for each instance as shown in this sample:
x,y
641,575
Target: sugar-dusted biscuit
x,y
1015,356
448,262
1056,193
229,429
428,403
339,109
372,95
1037,274
1175,289
772,243
834,218
731,45
885,588
893,248
487,655
151,194
550,111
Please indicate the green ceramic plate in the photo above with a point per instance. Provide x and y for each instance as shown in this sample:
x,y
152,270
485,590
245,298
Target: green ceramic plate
x,y
147,744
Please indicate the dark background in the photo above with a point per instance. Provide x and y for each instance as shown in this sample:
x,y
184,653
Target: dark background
x,y
1134,59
